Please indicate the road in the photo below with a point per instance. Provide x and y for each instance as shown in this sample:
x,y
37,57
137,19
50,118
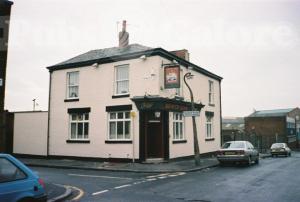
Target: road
x,y
274,179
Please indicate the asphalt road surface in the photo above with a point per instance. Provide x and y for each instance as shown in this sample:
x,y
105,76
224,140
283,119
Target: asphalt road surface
x,y
274,179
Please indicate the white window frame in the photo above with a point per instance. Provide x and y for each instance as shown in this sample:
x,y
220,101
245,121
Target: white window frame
x,y
116,120
210,92
74,85
77,121
116,81
209,127
180,122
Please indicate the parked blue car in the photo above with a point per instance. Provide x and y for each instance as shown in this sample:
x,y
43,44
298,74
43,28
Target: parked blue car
x,y
18,183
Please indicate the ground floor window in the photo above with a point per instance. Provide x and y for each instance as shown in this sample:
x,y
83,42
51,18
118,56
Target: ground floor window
x,y
209,126
119,125
79,126
178,126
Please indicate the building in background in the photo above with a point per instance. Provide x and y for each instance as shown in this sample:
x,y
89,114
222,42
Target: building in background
x,y
268,126
233,128
5,117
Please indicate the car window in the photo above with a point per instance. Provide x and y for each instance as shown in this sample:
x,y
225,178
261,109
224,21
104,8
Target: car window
x,y
277,145
233,145
249,145
9,172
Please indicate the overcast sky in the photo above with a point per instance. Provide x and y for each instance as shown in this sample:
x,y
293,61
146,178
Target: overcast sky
x,y
253,44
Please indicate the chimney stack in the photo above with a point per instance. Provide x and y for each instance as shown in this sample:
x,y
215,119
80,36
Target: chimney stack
x,y
184,54
123,36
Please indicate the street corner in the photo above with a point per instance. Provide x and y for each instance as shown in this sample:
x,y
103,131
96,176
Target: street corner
x,y
58,192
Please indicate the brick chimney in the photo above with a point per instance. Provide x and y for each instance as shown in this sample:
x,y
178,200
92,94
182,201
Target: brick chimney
x,y
184,54
123,36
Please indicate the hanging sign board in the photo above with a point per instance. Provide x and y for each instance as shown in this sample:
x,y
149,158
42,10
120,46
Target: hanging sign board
x,y
172,76
191,113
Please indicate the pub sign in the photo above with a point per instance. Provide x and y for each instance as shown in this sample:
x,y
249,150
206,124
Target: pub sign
x,y
172,76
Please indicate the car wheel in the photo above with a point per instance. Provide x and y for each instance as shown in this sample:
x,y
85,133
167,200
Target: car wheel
x,y
27,200
290,154
257,160
273,155
249,161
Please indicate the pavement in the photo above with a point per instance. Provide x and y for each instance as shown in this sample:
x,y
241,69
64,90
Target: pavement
x,y
187,165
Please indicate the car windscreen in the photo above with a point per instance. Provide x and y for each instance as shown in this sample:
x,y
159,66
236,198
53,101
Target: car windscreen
x,y
277,145
233,145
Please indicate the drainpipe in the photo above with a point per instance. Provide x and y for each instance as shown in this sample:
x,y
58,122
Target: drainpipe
x,y
49,104
133,115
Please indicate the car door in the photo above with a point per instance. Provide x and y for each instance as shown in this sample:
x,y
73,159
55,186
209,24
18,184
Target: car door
x,y
13,182
252,151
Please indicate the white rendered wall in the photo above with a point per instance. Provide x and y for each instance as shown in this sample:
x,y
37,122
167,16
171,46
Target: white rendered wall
x,y
96,88
30,133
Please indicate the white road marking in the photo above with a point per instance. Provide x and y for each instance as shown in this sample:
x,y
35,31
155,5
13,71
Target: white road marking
x,y
122,186
163,177
81,193
154,176
100,192
151,179
99,176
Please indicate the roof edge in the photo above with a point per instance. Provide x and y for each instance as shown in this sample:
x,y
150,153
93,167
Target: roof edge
x,y
151,52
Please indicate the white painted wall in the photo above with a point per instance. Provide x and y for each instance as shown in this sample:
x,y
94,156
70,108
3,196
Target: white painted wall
x,y
96,89
200,86
30,133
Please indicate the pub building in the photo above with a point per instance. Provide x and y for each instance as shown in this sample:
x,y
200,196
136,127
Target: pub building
x,y
127,103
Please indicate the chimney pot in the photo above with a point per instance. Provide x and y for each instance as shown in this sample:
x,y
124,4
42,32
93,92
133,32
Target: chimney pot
x,y
123,36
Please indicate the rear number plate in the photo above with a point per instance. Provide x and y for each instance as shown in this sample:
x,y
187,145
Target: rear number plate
x,y
229,153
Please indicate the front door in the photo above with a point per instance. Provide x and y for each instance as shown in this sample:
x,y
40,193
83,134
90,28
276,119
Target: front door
x,y
154,136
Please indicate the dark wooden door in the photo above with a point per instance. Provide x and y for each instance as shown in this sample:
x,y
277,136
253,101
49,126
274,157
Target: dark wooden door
x,y
154,135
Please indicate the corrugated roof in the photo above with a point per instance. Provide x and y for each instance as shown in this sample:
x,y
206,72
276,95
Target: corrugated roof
x,y
105,53
271,113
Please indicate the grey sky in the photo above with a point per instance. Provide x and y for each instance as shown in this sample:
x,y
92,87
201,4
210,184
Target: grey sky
x,y
253,44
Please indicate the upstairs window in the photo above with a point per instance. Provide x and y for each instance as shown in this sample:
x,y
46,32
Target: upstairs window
x,y
122,79
210,92
72,85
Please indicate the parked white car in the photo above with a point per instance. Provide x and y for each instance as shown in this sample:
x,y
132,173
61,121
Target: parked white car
x,y
280,149
238,151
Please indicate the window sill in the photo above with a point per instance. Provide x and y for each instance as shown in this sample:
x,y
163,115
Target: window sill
x,y
78,141
120,96
179,141
71,100
210,104
118,141
209,139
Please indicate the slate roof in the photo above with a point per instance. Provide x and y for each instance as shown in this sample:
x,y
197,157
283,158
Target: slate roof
x,y
271,113
105,53
132,51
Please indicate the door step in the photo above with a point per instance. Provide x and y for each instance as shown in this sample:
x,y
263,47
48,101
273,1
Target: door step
x,y
155,160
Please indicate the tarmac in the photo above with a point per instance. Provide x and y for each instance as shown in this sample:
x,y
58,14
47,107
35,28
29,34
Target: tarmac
x,y
58,192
